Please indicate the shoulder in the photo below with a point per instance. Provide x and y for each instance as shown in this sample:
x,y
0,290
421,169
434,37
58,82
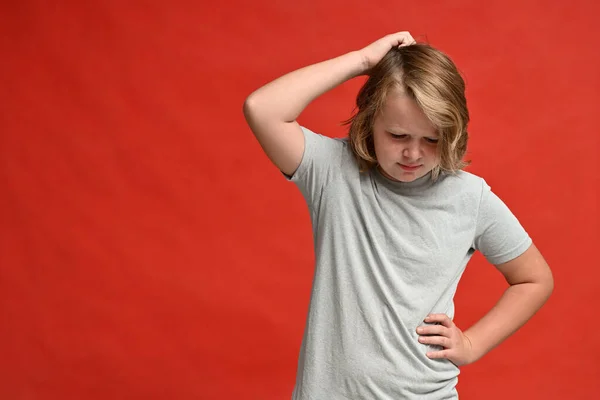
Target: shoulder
x,y
315,138
324,159
465,190
334,151
462,182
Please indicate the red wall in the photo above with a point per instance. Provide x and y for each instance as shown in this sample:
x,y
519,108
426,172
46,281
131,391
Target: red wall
x,y
148,248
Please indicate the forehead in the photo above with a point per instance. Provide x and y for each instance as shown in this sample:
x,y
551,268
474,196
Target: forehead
x,y
401,113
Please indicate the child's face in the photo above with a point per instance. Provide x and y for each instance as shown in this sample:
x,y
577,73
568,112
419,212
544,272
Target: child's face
x,y
405,140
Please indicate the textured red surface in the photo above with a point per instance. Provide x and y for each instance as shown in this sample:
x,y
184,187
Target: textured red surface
x,y
148,248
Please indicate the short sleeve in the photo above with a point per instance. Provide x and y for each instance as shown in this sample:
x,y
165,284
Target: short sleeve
x,y
499,235
320,161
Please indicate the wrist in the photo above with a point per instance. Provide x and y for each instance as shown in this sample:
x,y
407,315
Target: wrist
x,y
360,63
475,352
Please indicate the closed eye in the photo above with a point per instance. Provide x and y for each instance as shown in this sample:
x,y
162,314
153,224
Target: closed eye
x,y
405,136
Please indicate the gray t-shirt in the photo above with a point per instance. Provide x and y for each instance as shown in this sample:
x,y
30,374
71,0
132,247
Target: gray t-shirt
x,y
388,254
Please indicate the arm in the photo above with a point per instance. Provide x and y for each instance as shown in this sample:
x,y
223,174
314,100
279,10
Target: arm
x,y
531,284
271,111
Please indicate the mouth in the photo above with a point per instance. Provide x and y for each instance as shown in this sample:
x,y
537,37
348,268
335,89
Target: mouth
x,y
409,167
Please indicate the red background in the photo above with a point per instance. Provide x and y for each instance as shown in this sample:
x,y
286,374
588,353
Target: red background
x,y
148,248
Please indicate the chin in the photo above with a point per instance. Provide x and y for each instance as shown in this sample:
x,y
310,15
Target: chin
x,y
407,179
403,177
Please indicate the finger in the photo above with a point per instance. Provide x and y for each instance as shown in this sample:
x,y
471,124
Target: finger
x,y
439,330
438,354
440,318
403,39
407,39
436,341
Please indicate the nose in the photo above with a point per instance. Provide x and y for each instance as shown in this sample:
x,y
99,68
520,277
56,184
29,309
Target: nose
x,y
412,151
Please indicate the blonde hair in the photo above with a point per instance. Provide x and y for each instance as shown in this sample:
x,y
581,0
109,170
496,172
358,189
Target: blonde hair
x,y
432,80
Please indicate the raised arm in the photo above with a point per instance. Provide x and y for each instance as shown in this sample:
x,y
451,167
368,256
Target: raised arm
x,y
271,111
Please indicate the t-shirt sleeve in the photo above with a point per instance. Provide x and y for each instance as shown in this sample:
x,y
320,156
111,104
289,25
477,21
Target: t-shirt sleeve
x,y
499,235
320,163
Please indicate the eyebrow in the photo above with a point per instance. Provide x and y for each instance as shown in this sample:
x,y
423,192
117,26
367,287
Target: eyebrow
x,y
394,129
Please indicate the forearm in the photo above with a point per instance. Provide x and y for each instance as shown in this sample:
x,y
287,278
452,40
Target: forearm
x,y
516,306
285,98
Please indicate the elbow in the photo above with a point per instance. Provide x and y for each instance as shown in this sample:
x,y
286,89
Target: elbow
x,y
549,284
249,106
539,285
545,284
254,106
254,113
